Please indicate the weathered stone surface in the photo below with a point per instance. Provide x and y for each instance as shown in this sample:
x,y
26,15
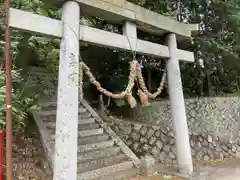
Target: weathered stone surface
x,y
135,146
224,148
143,140
213,126
135,136
129,142
158,133
115,129
199,155
165,130
147,166
171,134
126,130
193,152
173,149
143,131
146,148
221,156
200,138
166,148
159,144
198,145
192,143
164,138
155,151
152,140
168,161
162,156
234,148
149,133
214,143
209,138
206,158
156,128
171,141
172,155
137,127
205,143
124,137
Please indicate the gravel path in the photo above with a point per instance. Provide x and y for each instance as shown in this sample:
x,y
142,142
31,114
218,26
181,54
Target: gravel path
x,y
228,169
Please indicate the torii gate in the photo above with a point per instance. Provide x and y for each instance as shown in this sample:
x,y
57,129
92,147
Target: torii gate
x,y
70,32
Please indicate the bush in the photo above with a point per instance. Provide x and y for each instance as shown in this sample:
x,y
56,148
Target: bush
x,y
21,105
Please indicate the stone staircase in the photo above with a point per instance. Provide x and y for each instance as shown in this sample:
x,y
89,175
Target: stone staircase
x,y
101,153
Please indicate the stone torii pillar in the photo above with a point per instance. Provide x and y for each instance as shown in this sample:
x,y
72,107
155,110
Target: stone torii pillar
x,y
65,156
180,127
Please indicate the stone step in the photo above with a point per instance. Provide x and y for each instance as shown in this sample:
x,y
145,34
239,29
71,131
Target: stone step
x,y
93,139
52,105
49,104
81,120
85,115
52,119
47,119
102,162
91,155
120,175
95,146
82,134
105,171
87,120
91,132
87,126
53,112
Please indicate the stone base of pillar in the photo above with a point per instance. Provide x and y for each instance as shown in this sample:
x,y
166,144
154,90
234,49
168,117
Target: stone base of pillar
x,y
148,166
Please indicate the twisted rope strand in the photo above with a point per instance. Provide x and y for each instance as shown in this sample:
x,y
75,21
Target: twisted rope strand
x,y
121,95
143,85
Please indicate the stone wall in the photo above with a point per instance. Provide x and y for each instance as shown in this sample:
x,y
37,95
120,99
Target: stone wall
x,y
214,129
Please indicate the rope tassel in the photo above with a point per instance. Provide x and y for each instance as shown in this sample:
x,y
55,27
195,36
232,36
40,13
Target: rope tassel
x,y
131,100
143,98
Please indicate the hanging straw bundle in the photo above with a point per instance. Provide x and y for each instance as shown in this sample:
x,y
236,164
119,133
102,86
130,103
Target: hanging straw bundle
x,y
131,100
143,98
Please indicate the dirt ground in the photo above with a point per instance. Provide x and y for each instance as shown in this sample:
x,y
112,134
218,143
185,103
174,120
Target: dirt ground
x,y
28,157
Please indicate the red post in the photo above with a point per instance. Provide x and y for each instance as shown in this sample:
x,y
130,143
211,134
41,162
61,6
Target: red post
x,y
1,155
8,79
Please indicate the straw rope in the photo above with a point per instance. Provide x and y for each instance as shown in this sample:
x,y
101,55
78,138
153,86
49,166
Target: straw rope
x,y
135,74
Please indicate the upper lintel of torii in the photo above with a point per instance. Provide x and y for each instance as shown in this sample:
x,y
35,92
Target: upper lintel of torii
x,y
118,11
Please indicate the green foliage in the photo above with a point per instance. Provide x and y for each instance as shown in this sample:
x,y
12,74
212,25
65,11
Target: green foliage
x,y
21,104
26,51
217,44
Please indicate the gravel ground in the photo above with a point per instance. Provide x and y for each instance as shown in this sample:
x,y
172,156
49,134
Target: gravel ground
x,y
156,178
